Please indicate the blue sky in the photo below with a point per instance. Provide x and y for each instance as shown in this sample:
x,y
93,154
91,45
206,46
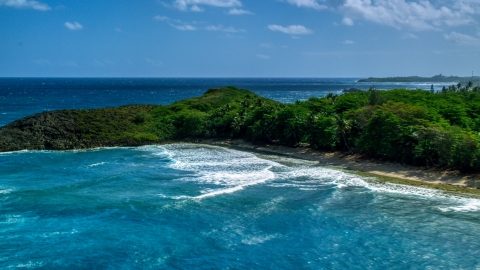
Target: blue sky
x,y
239,38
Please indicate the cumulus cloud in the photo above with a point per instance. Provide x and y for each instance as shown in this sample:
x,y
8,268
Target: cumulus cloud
x,y
224,29
416,15
193,5
25,4
347,21
307,3
236,11
461,39
73,26
291,30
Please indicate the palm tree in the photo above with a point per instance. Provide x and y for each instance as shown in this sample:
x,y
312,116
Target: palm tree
x,y
343,126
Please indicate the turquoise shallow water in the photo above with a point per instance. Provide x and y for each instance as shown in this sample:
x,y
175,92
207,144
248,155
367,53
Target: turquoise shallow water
x,y
201,207
187,206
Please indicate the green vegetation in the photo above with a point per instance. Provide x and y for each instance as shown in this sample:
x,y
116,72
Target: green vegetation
x,y
436,78
409,126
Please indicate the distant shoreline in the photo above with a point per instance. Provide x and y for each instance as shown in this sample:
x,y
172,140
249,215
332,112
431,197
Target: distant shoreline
x,y
447,180
435,79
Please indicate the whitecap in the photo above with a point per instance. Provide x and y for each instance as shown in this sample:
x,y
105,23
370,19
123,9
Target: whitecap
x,y
14,219
468,205
405,190
219,192
256,240
309,177
29,264
5,191
96,164
225,171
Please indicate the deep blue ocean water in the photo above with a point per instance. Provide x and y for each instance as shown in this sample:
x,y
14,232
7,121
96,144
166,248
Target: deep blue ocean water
x,y
186,206
20,97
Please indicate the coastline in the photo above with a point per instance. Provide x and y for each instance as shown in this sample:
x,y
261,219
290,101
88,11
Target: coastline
x,y
446,180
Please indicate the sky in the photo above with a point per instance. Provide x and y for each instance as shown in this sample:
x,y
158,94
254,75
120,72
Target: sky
x,y
239,38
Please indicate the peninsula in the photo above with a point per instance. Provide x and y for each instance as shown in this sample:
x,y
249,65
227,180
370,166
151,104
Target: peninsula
x,y
405,127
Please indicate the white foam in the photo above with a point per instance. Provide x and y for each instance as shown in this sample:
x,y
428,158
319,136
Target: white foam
x,y
312,177
13,219
96,164
468,205
219,192
225,171
16,152
29,264
406,190
5,191
256,240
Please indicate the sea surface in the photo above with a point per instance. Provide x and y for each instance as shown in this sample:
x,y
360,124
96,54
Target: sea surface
x,y
20,97
190,206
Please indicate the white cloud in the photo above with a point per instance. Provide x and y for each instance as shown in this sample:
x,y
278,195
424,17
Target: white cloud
x,y
73,26
185,27
236,11
266,45
348,42
307,4
347,21
177,24
25,4
461,39
409,36
196,8
161,18
292,29
190,4
263,56
118,30
224,29
416,15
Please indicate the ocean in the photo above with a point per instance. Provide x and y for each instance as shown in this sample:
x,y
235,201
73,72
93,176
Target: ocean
x,y
191,206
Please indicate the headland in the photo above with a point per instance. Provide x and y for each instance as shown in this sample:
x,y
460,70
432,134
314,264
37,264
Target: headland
x,y
412,137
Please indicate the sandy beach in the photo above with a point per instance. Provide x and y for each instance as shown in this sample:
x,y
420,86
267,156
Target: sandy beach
x,y
448,180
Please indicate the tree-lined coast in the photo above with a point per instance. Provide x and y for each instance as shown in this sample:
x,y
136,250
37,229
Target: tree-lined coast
x,y
434,79
414,127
